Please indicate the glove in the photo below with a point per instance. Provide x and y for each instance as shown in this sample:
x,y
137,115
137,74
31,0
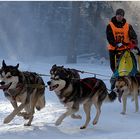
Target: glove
x,y
138,53
136,50
119,45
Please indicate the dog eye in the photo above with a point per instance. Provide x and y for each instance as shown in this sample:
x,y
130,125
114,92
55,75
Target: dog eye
x,y
56,78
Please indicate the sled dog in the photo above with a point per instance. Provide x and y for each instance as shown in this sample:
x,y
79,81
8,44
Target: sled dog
x,y
73,73
127,85
26,88
73,92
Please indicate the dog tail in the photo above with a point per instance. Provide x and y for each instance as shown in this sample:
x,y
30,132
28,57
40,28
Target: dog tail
x,y
40,103
111,96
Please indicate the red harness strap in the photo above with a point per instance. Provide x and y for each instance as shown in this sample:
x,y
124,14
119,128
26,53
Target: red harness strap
x,y
90,86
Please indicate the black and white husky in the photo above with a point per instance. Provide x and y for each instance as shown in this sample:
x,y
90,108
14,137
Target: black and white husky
x,y
26,88
73,92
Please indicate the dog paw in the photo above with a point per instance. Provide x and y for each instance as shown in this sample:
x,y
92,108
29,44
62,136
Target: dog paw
x,y
58,122
7,119
123,113
83,127
27,124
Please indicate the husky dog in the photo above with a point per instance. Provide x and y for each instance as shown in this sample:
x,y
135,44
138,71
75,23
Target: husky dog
x,y
27,88
73,73
73,92
127,85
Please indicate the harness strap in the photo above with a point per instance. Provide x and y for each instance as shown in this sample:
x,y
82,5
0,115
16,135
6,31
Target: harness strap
x,y
94,82
12,92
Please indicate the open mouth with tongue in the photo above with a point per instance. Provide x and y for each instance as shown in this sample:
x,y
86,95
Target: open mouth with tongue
x,y
53,87
5,87
120,96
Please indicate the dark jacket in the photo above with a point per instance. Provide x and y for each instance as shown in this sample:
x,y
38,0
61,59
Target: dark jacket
x,y
109,32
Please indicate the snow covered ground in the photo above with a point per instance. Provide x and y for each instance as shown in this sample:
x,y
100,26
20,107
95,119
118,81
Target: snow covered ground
x,y
111,125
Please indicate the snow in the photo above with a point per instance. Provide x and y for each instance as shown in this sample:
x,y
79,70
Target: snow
x,y
111,125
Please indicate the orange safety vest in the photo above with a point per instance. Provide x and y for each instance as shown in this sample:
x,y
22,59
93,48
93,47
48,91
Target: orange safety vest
x,y
120,35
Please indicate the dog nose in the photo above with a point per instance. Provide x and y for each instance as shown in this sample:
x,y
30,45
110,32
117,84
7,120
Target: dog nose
x,y
2,82
49,82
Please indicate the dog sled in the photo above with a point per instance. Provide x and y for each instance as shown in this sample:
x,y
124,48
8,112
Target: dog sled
x,y
127,62
126,65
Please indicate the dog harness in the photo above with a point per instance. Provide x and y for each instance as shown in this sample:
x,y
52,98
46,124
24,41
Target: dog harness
x,y
13,93
93,85
29,82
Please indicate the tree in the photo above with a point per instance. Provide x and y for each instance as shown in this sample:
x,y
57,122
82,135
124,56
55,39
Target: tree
x,y
72,56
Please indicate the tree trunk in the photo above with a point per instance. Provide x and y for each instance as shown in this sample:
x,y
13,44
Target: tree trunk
x,y
72,54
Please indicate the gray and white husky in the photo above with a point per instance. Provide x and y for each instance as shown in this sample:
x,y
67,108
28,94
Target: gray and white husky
x,y
26,88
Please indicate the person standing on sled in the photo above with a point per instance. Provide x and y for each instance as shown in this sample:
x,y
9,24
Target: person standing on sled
x,y
120,36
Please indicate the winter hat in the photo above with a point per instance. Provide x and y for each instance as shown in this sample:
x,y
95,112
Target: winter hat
x,y
120,12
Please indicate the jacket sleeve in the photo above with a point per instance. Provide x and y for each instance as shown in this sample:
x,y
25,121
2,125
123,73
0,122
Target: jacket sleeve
x,y
110,36
132,34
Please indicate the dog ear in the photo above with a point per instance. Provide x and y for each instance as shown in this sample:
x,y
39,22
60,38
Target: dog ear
x,y
3,64
17,66
54,66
